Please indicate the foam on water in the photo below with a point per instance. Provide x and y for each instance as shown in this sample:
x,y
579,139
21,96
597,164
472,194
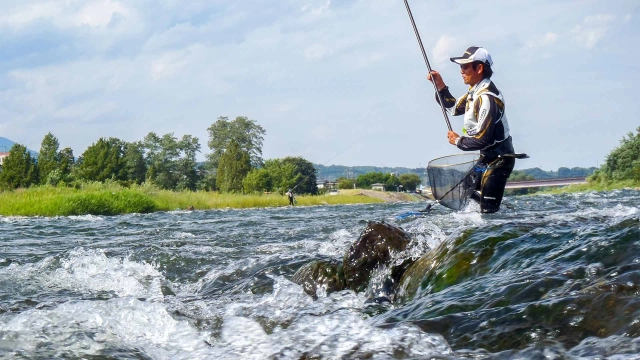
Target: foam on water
x,y
86,218
614,213
288,324
16,219
88,271
183,235
85,302
337,243
92,327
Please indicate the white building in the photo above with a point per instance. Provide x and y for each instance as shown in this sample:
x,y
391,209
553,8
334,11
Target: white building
x,y
2,156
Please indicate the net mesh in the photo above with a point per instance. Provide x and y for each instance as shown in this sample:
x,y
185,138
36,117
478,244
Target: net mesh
x,y
453,179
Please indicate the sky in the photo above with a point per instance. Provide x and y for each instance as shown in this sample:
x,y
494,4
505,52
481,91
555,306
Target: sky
x,y
337,82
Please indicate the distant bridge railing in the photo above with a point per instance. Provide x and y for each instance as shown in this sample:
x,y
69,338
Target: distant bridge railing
x,y
545,182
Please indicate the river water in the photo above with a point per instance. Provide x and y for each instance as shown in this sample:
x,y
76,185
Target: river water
x,y
562,280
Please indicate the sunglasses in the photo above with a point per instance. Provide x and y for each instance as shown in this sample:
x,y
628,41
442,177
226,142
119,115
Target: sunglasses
x,y
466,67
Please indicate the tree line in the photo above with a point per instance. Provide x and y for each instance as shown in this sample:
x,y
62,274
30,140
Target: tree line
x,y
390,180
622,163
235,163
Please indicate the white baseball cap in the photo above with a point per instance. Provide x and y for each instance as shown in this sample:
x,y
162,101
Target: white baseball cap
x,y
474,53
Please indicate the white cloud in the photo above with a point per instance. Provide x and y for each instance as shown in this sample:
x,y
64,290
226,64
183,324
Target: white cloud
x,y
317,10
99,13
444,49
95,13
169,63
367,59
592,30
29,13
124,68
600,19
628,18
317,52
542,41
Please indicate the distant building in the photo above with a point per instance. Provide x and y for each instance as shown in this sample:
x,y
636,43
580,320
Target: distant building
x,y
325,184
377,186
2,156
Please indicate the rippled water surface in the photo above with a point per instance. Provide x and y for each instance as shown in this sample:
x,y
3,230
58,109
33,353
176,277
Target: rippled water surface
x,y
548,277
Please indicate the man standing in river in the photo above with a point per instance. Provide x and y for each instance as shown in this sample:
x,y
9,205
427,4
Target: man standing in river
x,y
485,124
291,197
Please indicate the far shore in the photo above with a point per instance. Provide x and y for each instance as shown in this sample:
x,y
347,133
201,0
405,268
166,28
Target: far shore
x,y
113,199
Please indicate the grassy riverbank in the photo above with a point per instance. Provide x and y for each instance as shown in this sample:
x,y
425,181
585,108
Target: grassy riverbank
x,y
593,186
113,199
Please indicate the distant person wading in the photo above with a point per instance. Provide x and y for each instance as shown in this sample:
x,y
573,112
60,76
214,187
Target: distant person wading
x,y
291,197
485,125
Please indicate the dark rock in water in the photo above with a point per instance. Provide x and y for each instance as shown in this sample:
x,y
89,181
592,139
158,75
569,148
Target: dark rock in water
x,y
319,274
373,249
452,262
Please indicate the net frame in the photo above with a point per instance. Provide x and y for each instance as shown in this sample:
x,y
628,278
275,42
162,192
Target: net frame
x,y
453,179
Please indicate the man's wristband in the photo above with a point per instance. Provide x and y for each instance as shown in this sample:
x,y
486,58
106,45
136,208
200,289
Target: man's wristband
x,y
443,89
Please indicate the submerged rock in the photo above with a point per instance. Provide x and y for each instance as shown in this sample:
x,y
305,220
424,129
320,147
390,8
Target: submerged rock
x,y
319,275
373,249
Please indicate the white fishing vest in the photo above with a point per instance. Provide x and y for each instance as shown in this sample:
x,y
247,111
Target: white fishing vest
x,y
473,124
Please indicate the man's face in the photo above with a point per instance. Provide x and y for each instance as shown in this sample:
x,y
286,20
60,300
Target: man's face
x,y
471,76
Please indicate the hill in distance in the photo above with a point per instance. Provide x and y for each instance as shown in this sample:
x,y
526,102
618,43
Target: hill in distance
x,y
332,172
6,144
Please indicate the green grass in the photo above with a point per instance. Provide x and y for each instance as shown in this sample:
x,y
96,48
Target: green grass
x,y
113,199
592,186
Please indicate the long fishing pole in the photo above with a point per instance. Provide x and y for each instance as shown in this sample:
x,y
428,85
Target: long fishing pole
x,y
426,61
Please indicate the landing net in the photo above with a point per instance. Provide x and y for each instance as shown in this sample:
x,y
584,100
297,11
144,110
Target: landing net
x,y
453,179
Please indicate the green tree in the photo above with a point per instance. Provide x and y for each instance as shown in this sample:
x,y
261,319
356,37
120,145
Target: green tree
x,y
344,183
188,175
257,180
517,175
248,134
410,181
103,160
66,164
292,172
623,162
48,159
135,166
304,175
19,169
233,167
364,181
282,174
391,182
162,159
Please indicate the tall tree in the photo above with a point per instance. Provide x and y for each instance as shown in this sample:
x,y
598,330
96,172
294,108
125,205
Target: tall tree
x,y
304,175
290,172
364,181
282,174
257,180
19,169
623,162
67,161
103,160
188,174
410,181
48,159
135,167
248,134
162,155
233,167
